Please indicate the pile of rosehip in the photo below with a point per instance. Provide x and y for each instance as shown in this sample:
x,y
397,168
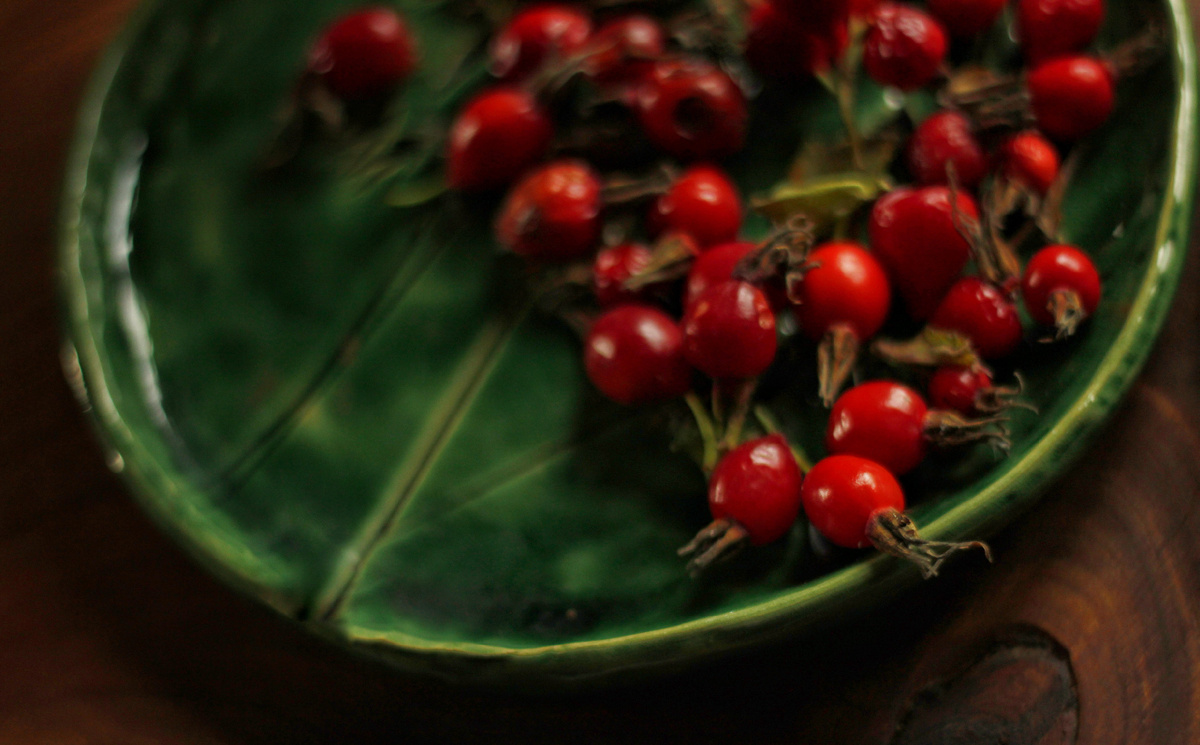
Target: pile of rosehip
x,y
603,135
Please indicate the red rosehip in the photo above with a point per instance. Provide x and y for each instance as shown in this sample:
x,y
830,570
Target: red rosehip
x,y
625,47
880,420
904,48
364,54
634,355
966,19
1070,96
702,203
729,331
535,35
552,213
914,234
1030,159
847,287
757,486
713,267
946,138
615,265
982,313
841,495
497,135
780,47
956,388
1049,28
692,110
1063,276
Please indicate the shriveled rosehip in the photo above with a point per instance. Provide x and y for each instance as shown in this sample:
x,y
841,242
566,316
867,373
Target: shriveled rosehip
x,y
634,355
713,267
841,494
754,497
1061,287
984,314
536,35
624,48
553,213
703,202
779,47
498,134
615,265
856,503
1050,28
915,235
1070,96
892,425
1030,159
943,140
965,19
905,47
729,331
364,54
692,110
956,387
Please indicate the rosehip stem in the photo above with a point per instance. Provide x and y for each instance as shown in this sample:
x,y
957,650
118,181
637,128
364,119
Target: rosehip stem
x,y
770,426
893,532
742,396
708,433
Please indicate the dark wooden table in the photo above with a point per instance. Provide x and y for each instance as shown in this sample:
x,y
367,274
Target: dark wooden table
x,y
1089,623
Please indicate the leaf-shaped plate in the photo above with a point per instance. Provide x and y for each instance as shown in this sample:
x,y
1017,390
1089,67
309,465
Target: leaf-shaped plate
x,y
332,401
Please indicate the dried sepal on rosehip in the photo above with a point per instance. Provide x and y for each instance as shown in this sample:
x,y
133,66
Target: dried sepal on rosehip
x,y
857,503
842,300
1061,288
891,424
754,498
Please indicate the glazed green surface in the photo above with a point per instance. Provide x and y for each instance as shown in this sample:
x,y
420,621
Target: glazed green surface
x,y
346,409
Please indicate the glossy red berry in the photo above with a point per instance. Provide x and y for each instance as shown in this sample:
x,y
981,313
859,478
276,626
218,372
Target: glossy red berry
x,y
1059,269
956,388
847,286
535,35
729,331
365,54
634,355
966,19
880,420
1030,159
946,139
841,495
915,235
703,203
615,265
691,109
904,48
714,266
625,47
1050,28
984,314
498,134
757,486
553,213
780,47
1071,96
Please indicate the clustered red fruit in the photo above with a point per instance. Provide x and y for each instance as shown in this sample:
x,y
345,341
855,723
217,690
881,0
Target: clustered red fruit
x,y
680,304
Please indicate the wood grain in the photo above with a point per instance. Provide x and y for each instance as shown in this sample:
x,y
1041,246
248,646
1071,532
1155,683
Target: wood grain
x,y
109,635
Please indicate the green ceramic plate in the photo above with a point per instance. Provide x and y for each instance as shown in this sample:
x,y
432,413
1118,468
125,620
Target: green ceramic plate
x,y
329,400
